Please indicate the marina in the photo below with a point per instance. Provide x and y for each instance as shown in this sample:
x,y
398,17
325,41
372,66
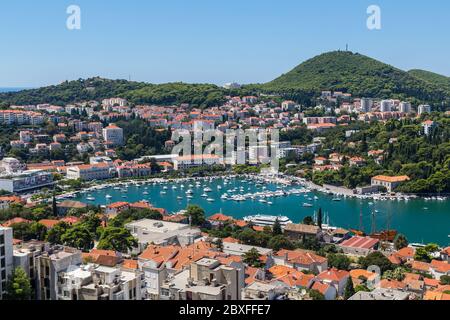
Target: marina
x,y
421,220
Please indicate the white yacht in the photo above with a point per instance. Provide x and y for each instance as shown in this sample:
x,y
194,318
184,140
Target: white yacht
x,y
207,189
265,220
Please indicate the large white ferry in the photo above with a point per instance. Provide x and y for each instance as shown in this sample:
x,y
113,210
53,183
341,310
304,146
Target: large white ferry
x,y
265,220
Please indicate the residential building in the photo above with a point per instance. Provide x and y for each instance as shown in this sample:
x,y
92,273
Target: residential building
x,y
366,105
49,265
302,231
97,282
390,183
206,279
161,233
423,108
113,135
405,107
386,106
428,127
381,294
6,257
263,291
301,260
336,278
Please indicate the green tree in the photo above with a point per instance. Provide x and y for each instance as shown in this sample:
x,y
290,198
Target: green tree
x,y
400,242
339,261
280,242
78,237
117,239
276,229
316,295
319,218
308,221
55,234
445,280
54,207
252,258
361,287
396,274
18,286
29,231
376,259
92,222
422,255
349,289
196,214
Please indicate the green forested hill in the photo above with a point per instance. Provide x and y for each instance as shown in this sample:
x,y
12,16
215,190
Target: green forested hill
x,y
431,77
359,75
338,71
137,92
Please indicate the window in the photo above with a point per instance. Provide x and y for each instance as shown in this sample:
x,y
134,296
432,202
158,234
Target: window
x,y
2,262
2,251
2,239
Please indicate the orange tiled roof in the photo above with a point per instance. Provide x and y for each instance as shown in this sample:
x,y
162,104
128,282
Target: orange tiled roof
x,y
12,221
220,217
440,266
49,223
333,274
391,179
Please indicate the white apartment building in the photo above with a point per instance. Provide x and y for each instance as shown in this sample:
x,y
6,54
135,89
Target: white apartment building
x,y
6,257
386,106
94,282
423,108
405,107
113,135
366,105
10,117
206,279
114,102
88,172
49,265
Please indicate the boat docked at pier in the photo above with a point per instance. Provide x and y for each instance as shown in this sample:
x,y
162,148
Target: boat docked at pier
x,y
266,220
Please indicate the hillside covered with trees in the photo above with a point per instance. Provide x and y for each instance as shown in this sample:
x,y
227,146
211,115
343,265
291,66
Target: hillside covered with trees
x,y
359,75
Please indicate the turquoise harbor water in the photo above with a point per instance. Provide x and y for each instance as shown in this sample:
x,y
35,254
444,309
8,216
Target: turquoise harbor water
x,y
420,220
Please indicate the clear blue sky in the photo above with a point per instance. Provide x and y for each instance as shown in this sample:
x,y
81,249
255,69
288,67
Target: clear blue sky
x,y
209,40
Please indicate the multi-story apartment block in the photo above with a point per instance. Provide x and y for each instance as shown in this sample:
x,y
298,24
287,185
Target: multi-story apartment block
x,y
113,135
49,265
94,282
206,279
6,257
